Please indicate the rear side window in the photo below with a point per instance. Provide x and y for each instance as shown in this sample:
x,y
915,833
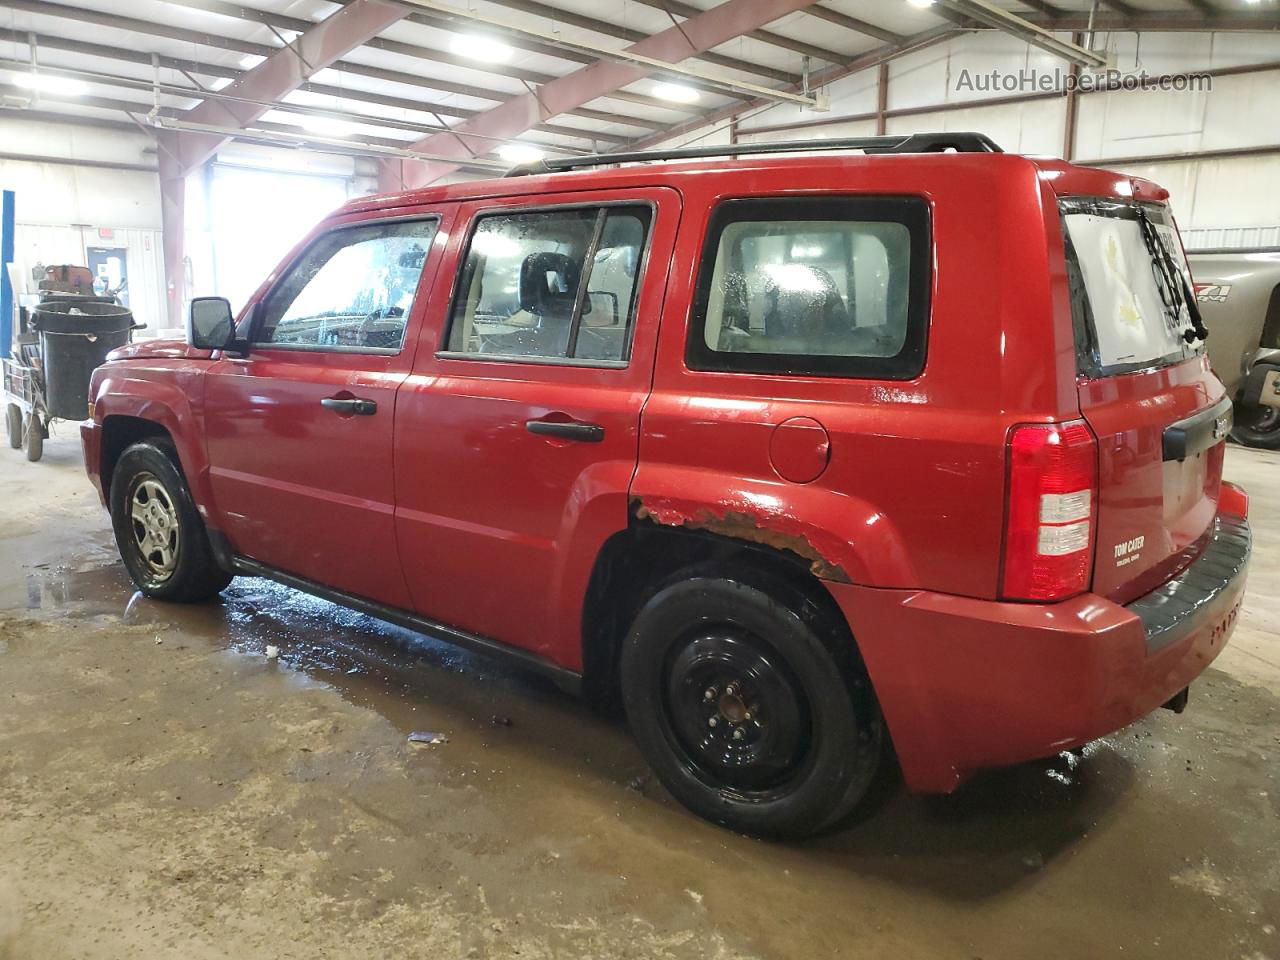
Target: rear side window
x,y
556,285
820,286
1130,286
351,289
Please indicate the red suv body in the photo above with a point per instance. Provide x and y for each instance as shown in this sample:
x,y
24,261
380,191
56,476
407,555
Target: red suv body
x,y
923,411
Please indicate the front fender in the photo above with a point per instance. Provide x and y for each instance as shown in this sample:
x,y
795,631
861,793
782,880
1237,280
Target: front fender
x,y
844,537
170,397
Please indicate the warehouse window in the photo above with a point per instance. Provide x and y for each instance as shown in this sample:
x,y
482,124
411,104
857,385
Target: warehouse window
x,y
819,286
352,289
554,285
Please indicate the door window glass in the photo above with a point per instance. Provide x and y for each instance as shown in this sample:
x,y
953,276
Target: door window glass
x,y
555,285
353,288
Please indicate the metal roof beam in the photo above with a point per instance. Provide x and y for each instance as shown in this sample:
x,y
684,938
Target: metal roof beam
x,y
603,27
348,94
854,24
676,8
984,11
709,29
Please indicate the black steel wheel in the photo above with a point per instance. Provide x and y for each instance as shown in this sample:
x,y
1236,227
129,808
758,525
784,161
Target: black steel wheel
x,y
1258,427
750,702
13,425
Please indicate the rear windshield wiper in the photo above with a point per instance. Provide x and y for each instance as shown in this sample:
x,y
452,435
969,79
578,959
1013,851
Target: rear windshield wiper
x,y
1175,290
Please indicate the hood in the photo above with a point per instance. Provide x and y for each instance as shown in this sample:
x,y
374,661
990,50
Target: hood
x,y
153,349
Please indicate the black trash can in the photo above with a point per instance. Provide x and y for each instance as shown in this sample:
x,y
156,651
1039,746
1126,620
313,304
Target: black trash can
x,y
75,337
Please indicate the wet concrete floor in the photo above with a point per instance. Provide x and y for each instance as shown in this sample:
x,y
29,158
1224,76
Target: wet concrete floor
x,y
168,791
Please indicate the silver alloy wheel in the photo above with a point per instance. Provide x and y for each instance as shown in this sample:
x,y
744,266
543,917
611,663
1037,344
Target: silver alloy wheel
x,y
154,520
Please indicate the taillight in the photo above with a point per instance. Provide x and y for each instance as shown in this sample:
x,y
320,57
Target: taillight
x,y
1053,480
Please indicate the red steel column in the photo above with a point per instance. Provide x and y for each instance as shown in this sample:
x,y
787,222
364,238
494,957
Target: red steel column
x,y
512,118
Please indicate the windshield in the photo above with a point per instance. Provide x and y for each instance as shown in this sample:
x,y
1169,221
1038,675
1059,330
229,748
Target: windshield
x,y
1130,287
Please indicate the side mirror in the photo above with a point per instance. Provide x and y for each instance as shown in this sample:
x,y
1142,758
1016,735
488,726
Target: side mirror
x,y
210,325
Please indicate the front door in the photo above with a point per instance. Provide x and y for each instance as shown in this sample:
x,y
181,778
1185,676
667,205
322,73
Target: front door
x,y
518,432
300,429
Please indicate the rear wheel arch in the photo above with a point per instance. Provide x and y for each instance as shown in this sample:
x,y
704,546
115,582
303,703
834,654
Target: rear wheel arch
x,y
635,564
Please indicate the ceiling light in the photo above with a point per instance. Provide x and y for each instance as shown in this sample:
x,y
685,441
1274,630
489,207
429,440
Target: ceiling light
x,y
519,153
250,61
50,84
476,47
676,92
328,126
920,3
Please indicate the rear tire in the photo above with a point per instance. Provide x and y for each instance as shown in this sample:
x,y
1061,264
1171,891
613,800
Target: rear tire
x,y
158,529
751,703
1258,427
34,436
13,425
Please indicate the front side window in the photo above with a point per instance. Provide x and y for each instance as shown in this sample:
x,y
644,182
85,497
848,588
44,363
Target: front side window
x,y
826,286
353,288
551,285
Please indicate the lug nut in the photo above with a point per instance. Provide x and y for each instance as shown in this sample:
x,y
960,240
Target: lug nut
x,y
746,715
710,694
731,690
712,722
738,734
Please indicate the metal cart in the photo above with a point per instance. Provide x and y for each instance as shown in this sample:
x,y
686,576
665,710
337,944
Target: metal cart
x,y
59,343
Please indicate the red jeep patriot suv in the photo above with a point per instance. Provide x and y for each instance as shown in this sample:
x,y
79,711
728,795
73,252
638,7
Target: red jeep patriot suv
x,y
803,455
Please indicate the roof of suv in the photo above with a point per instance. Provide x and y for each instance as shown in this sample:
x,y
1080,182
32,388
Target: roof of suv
x,y
1065,179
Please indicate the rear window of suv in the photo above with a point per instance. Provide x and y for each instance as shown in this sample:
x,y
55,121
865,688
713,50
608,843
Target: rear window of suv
x,y
1128,298
826,286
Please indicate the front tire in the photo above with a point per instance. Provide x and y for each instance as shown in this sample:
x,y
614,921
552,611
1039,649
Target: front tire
x,y
161,537
751,704
13,425
34,436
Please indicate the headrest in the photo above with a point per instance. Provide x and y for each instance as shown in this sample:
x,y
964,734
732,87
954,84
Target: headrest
x,y
548,283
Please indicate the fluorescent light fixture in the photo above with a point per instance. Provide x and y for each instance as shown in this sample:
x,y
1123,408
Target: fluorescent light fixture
x,y
519,153
920,3
478,47
328,126
676,92
45,83
250,60
220,83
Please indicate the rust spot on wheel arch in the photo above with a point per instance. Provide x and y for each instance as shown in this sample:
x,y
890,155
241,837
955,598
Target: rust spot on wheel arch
x,y
741,526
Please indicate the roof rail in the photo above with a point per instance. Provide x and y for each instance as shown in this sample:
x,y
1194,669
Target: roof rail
x,y
911,143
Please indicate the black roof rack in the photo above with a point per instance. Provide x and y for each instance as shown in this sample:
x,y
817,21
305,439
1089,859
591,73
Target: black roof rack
x,y
911,143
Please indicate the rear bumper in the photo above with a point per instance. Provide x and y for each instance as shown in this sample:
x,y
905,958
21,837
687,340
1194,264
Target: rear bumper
x,y
91,442
968,684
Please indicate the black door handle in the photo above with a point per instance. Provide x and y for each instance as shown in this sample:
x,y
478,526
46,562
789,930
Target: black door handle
x,y
572,430
361,408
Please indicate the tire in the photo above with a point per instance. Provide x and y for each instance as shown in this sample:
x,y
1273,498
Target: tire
x,y
34,437
1258,427
751,703
159,533
13,425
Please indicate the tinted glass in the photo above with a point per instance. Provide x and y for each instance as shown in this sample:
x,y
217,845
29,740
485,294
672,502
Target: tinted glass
x,y
523,292
352,288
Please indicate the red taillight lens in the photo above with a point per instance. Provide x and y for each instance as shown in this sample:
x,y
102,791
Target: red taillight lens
x,y
1053,481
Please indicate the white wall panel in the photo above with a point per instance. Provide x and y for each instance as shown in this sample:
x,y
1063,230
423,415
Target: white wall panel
x,y
1034,128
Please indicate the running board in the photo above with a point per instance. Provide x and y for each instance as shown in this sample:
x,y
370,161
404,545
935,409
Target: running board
x,y
562,677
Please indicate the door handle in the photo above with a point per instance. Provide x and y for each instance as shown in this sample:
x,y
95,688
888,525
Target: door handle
x,y
571,430
361,408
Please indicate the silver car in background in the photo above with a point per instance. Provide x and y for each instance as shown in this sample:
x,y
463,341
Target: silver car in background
x,y
1239,296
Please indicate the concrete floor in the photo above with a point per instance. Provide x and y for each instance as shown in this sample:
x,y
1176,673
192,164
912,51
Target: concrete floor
x,y
166,791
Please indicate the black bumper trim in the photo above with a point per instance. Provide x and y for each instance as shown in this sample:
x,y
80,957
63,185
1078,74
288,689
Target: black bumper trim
x,y
1171,611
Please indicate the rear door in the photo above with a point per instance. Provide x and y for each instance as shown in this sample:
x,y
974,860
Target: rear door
x,y
517,433
1160,415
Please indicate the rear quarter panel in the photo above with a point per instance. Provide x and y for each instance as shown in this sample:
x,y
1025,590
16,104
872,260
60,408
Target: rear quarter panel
x,y
913,492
